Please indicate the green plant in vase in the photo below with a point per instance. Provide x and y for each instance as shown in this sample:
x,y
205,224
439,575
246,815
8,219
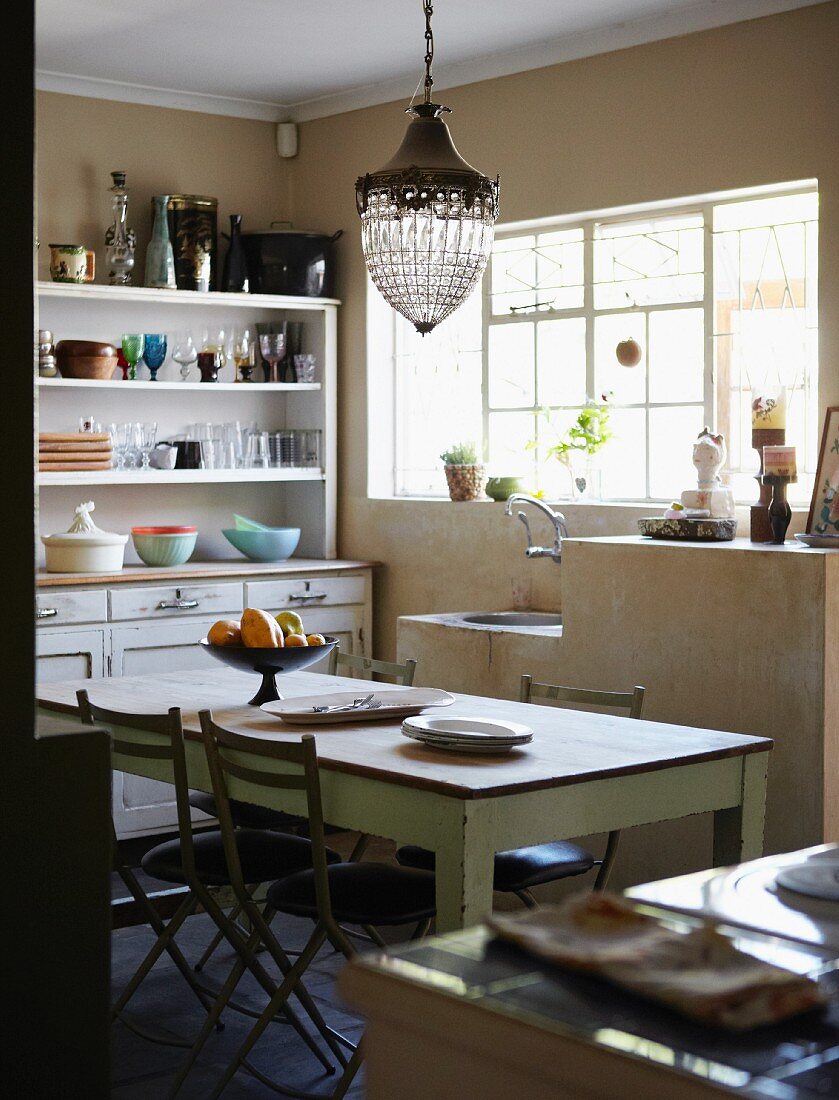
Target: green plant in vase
x,y
465,476
577,445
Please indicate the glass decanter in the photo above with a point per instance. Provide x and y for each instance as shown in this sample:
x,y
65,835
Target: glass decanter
x,y
120,241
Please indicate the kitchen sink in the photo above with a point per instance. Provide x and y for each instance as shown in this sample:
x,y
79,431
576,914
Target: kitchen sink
x,y
514,618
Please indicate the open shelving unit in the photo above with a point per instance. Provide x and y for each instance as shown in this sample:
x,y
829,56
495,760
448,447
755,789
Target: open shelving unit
x,y
303,497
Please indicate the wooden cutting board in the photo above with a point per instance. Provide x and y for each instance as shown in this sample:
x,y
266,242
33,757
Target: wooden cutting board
x,y
48,467
73,437
77,445
88,458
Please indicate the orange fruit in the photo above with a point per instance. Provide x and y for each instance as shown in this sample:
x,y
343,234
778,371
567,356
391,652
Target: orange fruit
x,y
295,639
225,632
315,639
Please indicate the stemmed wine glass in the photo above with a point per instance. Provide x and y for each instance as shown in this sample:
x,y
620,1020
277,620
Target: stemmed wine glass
x,y
132,348
120,438
184,352
272,346
243,351
146,436
154,352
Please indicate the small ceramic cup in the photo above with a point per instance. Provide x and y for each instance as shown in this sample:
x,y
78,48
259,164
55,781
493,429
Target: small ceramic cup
x,y
72,263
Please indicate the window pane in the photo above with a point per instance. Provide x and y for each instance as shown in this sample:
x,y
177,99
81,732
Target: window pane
x,y
437,396
677,355
509,435
561,362
765,335
647,262
530,273
512,382
623,458
672,434
627,384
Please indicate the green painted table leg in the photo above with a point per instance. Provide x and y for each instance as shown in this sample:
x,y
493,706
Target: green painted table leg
x,y
465,857
738,831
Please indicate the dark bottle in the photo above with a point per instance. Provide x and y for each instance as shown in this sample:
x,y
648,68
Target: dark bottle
x,y
234,276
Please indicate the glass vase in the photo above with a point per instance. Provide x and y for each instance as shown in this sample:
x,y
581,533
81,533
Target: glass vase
x,y
120,241
586,477
160,257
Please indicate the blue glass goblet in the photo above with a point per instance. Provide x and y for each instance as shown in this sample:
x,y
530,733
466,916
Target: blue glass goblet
x,y
154,352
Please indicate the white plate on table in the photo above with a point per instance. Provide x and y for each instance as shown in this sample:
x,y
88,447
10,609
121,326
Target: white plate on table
x,y
820,542
397,703
817,878
464,734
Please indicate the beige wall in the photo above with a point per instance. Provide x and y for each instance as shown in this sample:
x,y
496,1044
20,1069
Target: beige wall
x,y
741,106
81,141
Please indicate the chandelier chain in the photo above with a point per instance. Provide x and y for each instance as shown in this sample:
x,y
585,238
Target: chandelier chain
x,y
429,48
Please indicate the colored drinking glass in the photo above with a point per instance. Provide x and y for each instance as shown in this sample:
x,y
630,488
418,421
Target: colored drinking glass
x,y
154,352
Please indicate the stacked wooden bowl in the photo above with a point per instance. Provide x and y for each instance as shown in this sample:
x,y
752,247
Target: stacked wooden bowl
x,y
59,452
85,359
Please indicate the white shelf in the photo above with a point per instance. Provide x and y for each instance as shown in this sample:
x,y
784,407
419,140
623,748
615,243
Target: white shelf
x,y
242,388
92,292
176,477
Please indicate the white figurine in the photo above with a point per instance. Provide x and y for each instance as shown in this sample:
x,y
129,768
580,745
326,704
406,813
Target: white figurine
x,y
710,497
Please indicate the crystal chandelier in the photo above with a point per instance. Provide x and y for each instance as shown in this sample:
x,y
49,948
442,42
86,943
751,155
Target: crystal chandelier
x,y
427,217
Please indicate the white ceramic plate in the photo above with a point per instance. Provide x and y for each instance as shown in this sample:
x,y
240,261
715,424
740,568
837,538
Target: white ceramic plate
x,y
817,877
398,703
463,734
820,542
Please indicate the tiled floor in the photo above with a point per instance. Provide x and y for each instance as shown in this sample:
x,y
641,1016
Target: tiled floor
x,y
165,1005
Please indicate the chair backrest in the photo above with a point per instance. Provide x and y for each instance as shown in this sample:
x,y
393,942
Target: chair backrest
x,y
168,745
631,701
255,761
363,666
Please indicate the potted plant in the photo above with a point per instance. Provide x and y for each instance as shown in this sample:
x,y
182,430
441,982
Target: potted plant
x,y
465,475
577,446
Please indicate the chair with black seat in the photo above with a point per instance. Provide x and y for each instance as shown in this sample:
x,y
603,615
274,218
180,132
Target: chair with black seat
x,y
517,871
200,864
247,815
368,894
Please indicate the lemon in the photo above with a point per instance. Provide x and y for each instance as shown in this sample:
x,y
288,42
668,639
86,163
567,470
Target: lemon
x,y
291,623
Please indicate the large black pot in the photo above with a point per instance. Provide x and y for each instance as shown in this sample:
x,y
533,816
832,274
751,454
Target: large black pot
x,y
291,261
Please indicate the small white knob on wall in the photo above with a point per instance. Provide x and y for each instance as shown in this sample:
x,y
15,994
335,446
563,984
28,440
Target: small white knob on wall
x,y
287,139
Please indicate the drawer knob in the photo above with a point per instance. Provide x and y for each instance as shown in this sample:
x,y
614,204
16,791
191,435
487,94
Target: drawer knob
x,y
46,612
308,596
177,605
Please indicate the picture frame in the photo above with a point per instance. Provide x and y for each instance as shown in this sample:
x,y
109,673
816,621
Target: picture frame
x,y
823,517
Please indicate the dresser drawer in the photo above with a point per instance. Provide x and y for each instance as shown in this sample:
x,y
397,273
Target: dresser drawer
x,y
167,602
71,607
300,593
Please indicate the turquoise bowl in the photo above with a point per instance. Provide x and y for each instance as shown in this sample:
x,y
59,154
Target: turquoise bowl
x,y
273,544
164,549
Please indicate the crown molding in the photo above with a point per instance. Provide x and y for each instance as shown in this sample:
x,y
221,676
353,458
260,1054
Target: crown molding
x,y
703,15
94,88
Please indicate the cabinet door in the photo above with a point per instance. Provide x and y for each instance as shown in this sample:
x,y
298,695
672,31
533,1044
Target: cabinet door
x,y
69,654
344,623
145,805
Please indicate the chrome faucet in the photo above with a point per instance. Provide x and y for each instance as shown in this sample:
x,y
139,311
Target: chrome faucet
x,y
556,518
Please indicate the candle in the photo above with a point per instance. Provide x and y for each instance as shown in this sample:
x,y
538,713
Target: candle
x,y
769,410
779,461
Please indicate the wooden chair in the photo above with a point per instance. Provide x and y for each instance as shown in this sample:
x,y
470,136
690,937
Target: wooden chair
x,y
520,869
351,664
367,894
199,863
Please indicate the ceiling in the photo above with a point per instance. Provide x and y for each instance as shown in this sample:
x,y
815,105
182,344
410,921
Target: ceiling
x,y
299,59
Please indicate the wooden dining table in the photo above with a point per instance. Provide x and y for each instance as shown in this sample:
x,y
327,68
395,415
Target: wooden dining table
x,y
582,773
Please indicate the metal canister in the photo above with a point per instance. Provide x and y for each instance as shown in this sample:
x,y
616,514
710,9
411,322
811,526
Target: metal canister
x,y
193,230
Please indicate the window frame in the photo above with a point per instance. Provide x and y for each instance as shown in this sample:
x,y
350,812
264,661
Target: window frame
x,y
702,206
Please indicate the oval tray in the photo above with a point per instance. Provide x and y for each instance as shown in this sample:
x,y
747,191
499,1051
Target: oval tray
x,y
689,530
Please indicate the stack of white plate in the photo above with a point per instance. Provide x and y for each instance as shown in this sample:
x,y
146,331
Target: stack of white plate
x,y
464,734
